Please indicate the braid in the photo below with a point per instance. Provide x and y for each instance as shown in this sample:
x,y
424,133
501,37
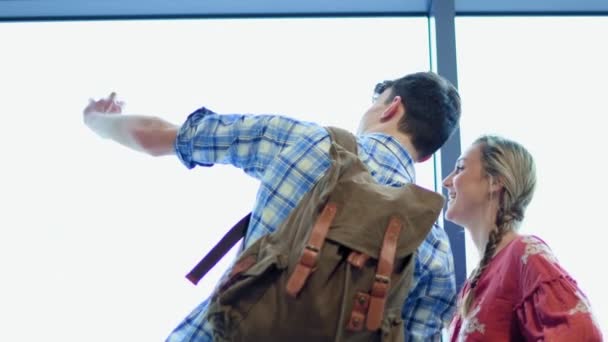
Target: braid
x,y
493,242
510,211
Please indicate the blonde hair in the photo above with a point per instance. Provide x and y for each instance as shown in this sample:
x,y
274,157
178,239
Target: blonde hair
x,y
510,164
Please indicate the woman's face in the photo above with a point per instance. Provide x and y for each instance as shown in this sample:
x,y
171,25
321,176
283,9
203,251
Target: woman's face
x,y
468,189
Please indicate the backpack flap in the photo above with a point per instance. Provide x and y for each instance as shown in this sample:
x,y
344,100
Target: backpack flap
x,y
365,211
365,207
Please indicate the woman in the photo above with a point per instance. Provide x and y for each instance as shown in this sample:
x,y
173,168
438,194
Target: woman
x,y
518,291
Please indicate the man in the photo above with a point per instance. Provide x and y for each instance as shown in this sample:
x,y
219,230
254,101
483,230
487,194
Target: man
x,y
409,120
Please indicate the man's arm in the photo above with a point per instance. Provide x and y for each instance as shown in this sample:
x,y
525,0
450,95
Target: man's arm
x,y
147,134
249,142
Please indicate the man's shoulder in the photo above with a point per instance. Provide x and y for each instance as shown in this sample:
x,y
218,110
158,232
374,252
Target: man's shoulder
x,y
387,160
308,137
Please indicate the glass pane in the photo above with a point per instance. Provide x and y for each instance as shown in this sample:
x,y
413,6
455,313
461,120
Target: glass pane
x,y
95,240
541,81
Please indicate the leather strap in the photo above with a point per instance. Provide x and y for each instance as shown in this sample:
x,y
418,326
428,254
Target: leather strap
x,y
219,250
357,259
241,266
308,260
357,315
384,271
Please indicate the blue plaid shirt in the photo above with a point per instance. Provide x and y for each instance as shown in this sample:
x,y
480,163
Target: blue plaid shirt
x,y
289,157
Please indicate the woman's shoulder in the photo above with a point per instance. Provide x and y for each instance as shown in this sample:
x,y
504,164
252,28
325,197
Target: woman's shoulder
x,y
533,249
524,247
536,261
532,258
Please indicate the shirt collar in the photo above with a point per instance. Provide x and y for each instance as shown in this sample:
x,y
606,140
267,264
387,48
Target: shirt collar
x,y
393,145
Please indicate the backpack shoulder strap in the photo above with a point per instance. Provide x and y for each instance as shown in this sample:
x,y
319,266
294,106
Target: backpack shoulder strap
x,y
233,236
343,138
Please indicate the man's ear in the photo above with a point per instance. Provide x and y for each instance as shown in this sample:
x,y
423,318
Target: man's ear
x,y
392,110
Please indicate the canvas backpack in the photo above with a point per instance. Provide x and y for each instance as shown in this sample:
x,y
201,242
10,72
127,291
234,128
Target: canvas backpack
x,y
339,267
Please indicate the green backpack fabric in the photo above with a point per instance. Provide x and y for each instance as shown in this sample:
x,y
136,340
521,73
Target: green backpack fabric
x,y
338,269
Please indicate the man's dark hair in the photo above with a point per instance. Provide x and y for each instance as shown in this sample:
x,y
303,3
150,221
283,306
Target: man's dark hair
x,y
432,109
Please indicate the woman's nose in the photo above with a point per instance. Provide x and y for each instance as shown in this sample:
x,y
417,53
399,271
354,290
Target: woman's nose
x,y
447,182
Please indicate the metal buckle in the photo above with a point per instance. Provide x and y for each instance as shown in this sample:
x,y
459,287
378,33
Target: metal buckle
x,y
312,248
382,279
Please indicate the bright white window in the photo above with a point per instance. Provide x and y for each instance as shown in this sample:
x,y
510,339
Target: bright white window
x,y
95,239
542,82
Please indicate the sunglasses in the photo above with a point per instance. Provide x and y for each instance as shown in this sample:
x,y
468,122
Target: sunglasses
x,y
380,88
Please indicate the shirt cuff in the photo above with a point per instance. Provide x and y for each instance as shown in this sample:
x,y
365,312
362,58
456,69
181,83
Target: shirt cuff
x,y
185,137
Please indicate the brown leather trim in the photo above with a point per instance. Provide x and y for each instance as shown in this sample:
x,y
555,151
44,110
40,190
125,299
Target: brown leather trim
x,y
383,275
243,265
297,279
319,231
240,267
357,316
357,259
308,260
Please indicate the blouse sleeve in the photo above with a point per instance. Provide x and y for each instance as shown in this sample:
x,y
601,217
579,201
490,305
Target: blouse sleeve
x,y
553,307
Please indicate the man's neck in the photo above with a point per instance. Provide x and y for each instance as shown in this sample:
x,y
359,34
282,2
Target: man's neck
x,y
406,142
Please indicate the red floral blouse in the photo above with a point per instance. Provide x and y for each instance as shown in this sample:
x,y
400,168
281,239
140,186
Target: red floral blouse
x,y
524,295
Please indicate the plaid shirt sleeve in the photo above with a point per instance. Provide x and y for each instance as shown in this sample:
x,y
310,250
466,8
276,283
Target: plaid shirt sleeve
x,y
432,299
249,142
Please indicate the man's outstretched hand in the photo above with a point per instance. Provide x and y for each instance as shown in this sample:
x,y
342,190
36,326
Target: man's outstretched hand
x,y
107,105
148,134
